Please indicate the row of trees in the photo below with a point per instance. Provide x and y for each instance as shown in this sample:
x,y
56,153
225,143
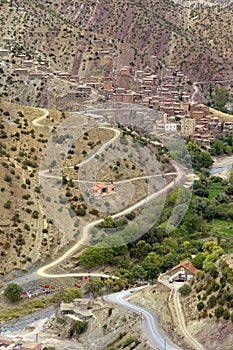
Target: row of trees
x,y
222,144
219,98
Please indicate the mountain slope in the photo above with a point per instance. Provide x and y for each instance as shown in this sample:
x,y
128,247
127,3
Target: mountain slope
x,y
197,40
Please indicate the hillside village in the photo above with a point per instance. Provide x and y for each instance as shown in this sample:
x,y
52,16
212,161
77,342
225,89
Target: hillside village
x,y
169,92
78,59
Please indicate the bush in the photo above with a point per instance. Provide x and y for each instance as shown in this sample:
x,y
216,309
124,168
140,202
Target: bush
x,y
20,240
37,189
184,290
79,327
219,311
211,302
7,178
80,211
226,314
200,306
13,292
7,205
35,214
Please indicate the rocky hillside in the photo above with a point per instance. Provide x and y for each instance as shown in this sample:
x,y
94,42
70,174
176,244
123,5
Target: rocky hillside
x,y
108,327
26,232
96,39
198,3
209,305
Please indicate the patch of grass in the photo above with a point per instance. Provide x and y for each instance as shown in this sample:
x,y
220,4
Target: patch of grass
x,y
127,341
214,192
221,228
24,309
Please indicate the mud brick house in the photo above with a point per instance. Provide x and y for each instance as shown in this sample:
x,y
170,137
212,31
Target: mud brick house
x,y
101,189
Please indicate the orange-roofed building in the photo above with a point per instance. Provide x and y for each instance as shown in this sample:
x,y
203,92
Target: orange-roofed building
x,y
184,271
101,189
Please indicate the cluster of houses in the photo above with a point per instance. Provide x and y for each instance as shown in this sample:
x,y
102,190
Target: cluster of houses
x,y
78,309
166,91
166,94
157,91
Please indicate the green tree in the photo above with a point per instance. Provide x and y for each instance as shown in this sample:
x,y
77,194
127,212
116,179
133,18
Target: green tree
x,y
220,98
108,221
210,212
142,249
210,246
170,244
214,272
152,264
139,272
217,147
198,260
185,290
205,160
93,256
95,286
71,294
192,147
13,292
212,301
126,275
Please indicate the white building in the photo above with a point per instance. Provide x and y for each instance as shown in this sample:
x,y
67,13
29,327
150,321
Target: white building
x,y
170,127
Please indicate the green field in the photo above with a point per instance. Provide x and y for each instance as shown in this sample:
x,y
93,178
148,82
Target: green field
x,y
214,190
221,228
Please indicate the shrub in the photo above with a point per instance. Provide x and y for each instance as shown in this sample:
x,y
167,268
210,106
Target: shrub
x,y
7,205
200,306
184,290
13,292
226,314
7,178
35,214
37,189
219,311
20,240
79,327
80,211
211,302
26,196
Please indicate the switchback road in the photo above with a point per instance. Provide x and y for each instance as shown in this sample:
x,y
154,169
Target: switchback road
x,y
149,322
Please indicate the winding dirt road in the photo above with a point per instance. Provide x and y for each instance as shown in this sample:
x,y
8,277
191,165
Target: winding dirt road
x,y
151,330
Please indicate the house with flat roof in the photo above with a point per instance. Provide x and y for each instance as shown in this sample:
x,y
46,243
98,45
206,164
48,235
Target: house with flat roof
x,y
100,189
